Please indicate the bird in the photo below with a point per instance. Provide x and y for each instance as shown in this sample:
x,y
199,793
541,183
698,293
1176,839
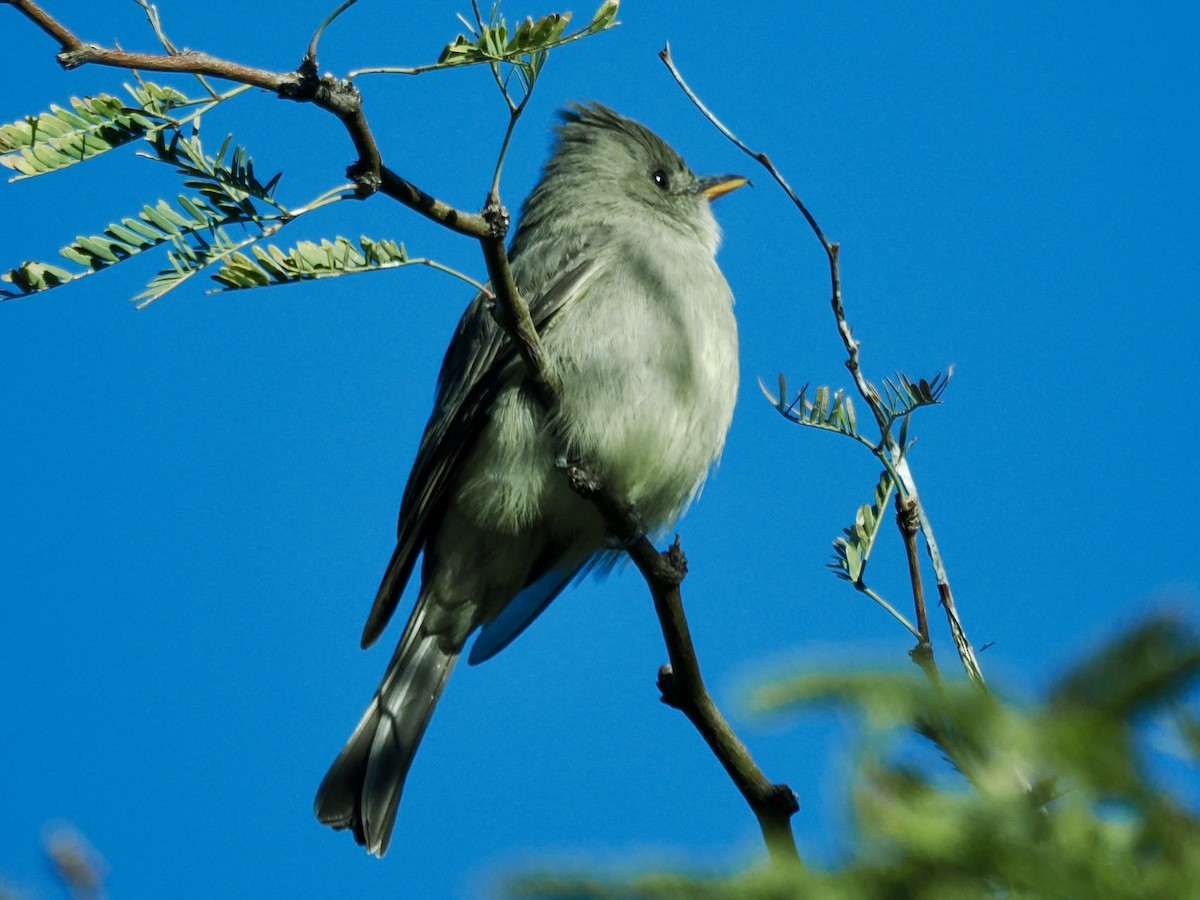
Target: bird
x,y
615,255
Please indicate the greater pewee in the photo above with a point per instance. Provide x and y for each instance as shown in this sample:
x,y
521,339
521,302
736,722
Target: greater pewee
x,y
615,256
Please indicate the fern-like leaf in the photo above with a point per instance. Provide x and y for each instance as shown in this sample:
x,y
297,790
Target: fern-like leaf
x,y
161,101
194,221
89,126
31,277
266,265
64,136
229,193
526,47
153,226
230,187
852,550
188,258
829,411
901,395
492,43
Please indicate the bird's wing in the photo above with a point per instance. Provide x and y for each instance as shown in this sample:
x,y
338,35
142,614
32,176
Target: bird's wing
x,y
519,613
480,361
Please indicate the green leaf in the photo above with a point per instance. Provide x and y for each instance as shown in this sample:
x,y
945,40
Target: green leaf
x,y
525,46
158,100
830,411
1026,799
230,187
901,395
31,277
852,550
186,260
62,137
89,126
153,227
1149,663
605,17
307,261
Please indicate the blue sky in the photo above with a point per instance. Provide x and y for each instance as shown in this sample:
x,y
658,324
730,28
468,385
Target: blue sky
x,y
198,499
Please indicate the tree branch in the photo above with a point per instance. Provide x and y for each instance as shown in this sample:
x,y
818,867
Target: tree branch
x,y
681,683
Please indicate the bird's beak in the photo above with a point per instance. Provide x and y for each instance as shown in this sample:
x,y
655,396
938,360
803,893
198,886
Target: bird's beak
x,y
715,186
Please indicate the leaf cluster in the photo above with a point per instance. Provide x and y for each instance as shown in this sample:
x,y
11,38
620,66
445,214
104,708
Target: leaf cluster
x,y
833,411
65,136
195,226
902,397
830,410
522,50
227,209
229,184
827,410
853,548
491,42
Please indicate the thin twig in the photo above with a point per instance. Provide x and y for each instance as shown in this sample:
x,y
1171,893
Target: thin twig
x,y
894,457
514,311
155,21
966,653
396,70
681,683
909,525
862,588
513,116
311,53
831,249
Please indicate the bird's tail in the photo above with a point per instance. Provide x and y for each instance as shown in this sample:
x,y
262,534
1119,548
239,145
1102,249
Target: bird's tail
x,y
362,789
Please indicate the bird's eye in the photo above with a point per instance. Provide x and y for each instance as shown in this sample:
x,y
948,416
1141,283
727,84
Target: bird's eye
x,y
661,181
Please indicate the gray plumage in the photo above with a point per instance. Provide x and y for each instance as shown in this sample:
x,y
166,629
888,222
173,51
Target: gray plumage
x,y
615,256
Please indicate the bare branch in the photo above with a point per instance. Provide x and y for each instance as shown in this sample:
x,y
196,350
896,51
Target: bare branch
x,y
889,452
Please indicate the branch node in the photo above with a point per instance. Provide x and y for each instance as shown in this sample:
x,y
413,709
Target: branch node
x,y
308,67
583,480
76,56
625,526
667,687
672,564
367,180
496,215
338,94
783,800
922,655
907,517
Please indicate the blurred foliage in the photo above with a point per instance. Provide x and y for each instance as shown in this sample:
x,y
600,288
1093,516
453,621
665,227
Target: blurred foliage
x,y
1058,799
81,870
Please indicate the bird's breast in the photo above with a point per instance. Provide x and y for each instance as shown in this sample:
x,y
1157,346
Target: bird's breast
x,y
649,366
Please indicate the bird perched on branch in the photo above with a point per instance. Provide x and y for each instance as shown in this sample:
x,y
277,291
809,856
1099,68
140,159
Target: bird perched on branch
x,y
615,257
